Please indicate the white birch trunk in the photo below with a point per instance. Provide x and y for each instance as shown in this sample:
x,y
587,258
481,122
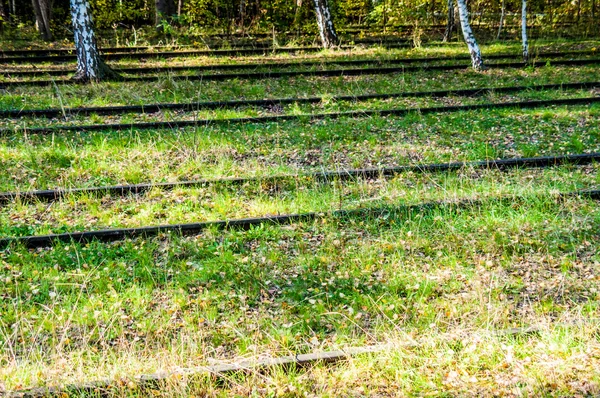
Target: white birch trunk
x,y
297,14
524,31
329,37
463,13
450,22
89,64
502,16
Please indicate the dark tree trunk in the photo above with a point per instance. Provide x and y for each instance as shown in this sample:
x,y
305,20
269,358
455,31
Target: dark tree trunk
x,y
242,11
90,66
450,22
524,31
12,9
3,15
384,17
164,9
463,13
296,16
326,29
42,18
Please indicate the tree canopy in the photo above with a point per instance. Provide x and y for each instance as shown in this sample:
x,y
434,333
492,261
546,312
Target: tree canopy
x,y
195,18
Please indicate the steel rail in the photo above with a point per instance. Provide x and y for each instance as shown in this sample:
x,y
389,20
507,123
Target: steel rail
x,y
70,51
273,65
107,50
166,54
109,387
194,106
187,53
50,195
118,234
103,51
312,73
222,370
282,118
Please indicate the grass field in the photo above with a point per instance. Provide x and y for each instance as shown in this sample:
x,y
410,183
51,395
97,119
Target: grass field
x,y
495,296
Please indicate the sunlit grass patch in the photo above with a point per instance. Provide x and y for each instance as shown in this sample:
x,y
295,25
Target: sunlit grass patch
x,y
443,283
419,272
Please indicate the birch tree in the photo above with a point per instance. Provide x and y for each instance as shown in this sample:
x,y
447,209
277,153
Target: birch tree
x,y
502,17
329,37
524,31
450,22
41,9
463,13
90,66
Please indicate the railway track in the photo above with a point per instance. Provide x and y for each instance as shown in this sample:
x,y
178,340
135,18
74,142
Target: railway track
x,y
194,106
282,118
50,195
118,234
313,73
187,53
272,65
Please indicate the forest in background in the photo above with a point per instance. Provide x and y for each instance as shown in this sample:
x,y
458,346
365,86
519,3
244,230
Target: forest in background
x,y
124,22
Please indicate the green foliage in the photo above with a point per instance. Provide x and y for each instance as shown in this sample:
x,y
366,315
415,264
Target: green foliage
x,y
205,17
114,12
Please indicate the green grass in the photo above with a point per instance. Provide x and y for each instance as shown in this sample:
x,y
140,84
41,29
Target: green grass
x,y
272,289
84,212
327,105
436,284
173,90
104,158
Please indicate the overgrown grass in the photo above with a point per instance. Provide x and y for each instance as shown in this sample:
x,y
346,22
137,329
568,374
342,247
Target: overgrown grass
x,y
140,305
175,90
436,283
84,212
104,158
328,104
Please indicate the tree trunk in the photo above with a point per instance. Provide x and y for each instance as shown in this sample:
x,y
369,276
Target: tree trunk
x,y
242,11
449,23
524,31
502,16
326,29
164,9
297,15
3,16
384,18
90,66
42,18
179,6
463,14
